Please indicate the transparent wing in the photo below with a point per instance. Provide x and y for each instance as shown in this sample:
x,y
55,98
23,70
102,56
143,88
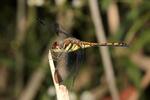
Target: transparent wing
x,y
54,27
50,27
67,67
74,61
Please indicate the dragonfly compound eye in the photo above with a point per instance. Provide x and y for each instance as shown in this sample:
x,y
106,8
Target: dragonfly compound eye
x,y
55,45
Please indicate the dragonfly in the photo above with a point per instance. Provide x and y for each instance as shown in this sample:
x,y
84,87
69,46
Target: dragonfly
x,y
72,44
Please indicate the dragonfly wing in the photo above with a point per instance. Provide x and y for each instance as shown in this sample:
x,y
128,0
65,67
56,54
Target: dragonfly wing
x,y
53,27
60,30
60,60
73,66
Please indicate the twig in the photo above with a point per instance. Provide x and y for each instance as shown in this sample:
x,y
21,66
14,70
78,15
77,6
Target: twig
x,y
143,63
61,90
136,26
113,17
104,50
146,80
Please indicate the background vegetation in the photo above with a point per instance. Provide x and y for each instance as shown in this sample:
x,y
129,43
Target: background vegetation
x,y
26,30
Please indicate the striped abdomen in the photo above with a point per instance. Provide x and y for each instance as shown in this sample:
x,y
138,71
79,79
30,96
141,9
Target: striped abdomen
x,y
115,44
73,46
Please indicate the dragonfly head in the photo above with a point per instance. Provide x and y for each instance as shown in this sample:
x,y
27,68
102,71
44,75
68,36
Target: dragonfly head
x,y
56,47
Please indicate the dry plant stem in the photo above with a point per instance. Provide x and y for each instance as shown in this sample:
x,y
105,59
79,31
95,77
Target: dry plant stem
x,y
20,35
61,90
35,81
104,50
4,73
113,17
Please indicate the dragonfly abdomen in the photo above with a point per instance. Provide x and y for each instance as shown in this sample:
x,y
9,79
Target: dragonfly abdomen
x,y
73,45
87,44
116,44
